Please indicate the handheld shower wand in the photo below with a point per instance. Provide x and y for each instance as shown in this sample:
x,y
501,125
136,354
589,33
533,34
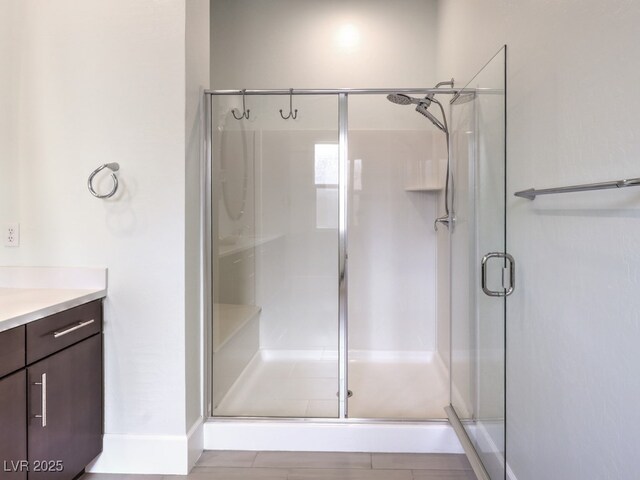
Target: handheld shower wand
x,y
422,105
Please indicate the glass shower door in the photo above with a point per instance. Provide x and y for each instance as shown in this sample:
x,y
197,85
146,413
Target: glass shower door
x,y
275,256
480,270
396,166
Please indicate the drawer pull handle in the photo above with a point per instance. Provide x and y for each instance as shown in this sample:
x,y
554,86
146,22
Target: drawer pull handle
x,y
77,326
44,399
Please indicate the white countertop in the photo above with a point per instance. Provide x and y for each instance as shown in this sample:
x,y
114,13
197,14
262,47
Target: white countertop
x,y
19,306
31,293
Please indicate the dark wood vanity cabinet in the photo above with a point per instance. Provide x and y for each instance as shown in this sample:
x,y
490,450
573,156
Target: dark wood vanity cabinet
x,y
66,429
61,401
13,425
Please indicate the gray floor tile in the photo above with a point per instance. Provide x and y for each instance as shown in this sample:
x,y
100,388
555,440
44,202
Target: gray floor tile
x,y
312,460
348,474
227,473
420,461
119,476
217,458
236,465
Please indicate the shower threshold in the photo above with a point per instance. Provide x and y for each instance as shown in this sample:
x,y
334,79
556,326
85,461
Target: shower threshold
x,y
330,435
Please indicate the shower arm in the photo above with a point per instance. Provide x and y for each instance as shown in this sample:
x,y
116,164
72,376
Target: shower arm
x,y
448,83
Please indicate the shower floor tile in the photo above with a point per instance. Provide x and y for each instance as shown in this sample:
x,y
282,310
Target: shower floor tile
x,y
385,385
403,389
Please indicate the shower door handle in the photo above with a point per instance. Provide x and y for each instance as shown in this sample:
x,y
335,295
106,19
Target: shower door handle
x,y
507,284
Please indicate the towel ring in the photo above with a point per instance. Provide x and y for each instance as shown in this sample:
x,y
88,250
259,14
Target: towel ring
x,y
114,167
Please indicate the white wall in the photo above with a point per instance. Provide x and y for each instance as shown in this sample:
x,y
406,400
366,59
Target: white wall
x,y
289,43
572,322
9,86
103,81
197,78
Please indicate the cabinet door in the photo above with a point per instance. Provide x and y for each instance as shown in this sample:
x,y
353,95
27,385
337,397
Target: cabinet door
x,y
13,426
65,427
12,355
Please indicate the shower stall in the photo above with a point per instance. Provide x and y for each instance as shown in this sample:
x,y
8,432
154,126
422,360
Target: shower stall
x,y
331,297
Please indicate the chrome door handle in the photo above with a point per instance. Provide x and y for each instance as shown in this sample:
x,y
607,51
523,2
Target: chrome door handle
x,y
73,328
43,383
508,290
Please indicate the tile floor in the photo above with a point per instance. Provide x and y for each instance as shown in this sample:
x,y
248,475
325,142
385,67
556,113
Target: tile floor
x,y
281,384
218,465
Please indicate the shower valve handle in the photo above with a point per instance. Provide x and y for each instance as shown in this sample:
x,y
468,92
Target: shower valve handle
x,y
444,220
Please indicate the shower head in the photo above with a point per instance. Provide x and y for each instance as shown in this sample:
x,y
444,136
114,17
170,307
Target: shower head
x,y
422,104
463,97
402,99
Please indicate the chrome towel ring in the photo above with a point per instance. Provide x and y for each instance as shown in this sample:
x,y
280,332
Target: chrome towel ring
x,y
114,167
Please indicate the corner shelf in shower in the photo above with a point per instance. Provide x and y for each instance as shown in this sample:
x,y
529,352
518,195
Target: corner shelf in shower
x,y
424,174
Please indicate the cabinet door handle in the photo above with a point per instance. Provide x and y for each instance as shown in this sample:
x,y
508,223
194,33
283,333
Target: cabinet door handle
x,y
43,382
73,328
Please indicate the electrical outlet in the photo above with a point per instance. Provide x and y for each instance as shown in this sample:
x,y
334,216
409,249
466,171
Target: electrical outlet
x,y
12,235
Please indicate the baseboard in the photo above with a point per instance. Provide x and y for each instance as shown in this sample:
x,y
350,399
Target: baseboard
x,y
330,437
150,454
195,442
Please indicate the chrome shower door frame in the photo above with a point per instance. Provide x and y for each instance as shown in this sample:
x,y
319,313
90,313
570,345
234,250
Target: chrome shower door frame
x,y
343,287
343,230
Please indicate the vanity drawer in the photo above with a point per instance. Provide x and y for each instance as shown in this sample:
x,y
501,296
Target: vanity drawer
x,y
11,350
58,331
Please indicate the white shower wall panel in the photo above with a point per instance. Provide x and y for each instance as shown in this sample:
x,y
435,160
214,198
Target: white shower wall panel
x,y
392,243
296,275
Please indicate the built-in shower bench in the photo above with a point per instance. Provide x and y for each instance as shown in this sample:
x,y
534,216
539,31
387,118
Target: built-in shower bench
x,y
236,339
